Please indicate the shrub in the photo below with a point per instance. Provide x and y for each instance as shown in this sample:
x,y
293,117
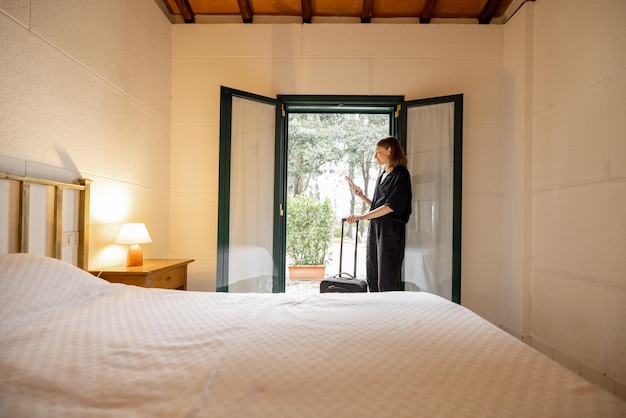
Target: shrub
x,y
309,229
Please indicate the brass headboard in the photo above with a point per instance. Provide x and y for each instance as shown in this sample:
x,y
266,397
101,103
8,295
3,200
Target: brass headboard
x,y
24,222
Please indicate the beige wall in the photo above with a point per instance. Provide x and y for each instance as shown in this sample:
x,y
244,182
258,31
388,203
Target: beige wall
x,y
516,160
578,281
416,61
85,90
543,207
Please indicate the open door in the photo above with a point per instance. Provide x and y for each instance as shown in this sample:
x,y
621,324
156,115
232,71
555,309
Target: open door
x,y
432,129
252,187
247,214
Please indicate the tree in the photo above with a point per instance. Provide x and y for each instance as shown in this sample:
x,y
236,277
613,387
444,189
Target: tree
x,y
365,130
336,143
311,148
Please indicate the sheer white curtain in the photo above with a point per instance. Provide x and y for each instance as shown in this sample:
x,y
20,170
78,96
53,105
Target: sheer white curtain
x,y
251,265
430,146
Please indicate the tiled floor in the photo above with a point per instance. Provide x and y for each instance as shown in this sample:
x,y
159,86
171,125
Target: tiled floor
x,y
313,286
302,286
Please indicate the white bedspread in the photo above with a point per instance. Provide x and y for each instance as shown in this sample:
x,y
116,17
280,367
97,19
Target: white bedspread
x,y
72,345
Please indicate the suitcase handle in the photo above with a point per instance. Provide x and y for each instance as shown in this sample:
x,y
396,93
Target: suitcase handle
x,y
356,243
343,275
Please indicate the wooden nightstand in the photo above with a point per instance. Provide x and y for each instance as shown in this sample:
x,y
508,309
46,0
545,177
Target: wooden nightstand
x,y
165,274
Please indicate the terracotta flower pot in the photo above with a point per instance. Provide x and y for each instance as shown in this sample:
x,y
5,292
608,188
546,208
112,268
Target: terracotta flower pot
x,y
307,272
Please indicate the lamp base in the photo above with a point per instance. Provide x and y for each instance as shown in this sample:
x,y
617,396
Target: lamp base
x,y
135,256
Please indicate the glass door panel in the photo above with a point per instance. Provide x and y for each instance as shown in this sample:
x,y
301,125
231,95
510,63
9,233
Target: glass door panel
x,y
431,247
245,249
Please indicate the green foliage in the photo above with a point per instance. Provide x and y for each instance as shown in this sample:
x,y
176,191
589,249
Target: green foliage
x,y
321,142
335,144
310,149
309,229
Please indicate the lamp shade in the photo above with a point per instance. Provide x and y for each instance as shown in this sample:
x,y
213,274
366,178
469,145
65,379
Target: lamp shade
x,y
133,233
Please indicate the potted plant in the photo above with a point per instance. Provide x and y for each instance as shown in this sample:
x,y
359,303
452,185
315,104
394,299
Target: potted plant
x,y
309,236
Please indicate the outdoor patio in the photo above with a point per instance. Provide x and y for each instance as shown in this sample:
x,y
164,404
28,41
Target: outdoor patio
x,y
313,286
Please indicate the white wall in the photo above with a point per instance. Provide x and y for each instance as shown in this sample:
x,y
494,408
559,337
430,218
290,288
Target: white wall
x,y
85,90
516,161
544,152
578,282
416,61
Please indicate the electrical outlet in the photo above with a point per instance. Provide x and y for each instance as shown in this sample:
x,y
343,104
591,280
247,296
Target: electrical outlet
x,y
70,239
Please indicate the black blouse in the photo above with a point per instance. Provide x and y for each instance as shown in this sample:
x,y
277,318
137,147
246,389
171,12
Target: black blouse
x,y
395,192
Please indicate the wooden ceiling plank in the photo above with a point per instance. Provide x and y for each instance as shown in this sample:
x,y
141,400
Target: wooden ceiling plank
x,y
186,11
245,10
484,11
368,11
489,11
307,11
428,11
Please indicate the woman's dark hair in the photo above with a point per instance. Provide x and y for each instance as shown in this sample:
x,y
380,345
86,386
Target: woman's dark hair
x,y
397,157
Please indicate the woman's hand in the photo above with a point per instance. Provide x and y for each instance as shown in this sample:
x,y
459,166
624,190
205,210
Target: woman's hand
x,y
356,190
353,218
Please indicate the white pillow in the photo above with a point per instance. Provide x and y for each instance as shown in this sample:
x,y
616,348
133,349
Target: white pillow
x,y
31,283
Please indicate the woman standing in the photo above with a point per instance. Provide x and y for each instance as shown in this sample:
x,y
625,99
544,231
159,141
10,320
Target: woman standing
x,y
390,208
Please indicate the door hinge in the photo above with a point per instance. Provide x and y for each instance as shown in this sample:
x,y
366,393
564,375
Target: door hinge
x,y
282,212
282,109
398,108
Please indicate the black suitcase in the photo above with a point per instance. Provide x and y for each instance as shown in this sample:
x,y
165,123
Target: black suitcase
x,y
343,282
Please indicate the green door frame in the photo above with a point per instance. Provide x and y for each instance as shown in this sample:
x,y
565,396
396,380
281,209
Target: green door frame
x,y
457,183
395,106
223,205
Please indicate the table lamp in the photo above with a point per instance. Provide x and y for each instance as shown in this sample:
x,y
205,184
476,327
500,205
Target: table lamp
x,y
134,234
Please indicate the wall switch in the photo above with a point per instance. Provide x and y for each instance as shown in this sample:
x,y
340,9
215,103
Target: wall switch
x,y
70,239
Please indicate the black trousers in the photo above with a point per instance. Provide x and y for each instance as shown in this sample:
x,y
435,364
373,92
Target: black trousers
x,y
385,254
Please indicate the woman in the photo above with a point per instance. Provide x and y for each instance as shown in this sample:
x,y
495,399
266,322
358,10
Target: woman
x,y
390,208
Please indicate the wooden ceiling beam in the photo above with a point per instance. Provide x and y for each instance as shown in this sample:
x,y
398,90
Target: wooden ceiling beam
x,y
186,11
245,10
307,11
368,11
484,11
489,11
428,11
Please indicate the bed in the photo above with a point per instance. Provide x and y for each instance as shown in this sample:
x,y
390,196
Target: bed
x,y
45,216
74,345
